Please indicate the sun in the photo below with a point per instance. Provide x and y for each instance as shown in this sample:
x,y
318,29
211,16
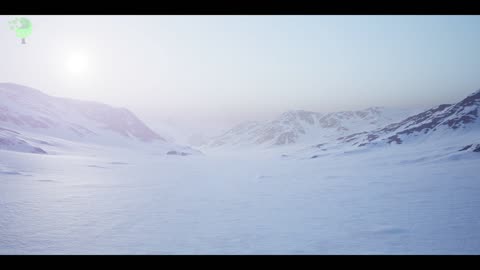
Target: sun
x,y
77,62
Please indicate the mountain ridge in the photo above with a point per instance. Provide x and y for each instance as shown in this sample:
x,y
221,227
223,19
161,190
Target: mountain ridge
x,y
445,116
296,126
27,114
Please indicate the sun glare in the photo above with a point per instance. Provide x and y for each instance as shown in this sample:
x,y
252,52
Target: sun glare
x,y
77,63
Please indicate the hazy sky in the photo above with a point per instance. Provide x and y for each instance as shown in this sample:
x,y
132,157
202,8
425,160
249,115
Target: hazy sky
x,y
219,69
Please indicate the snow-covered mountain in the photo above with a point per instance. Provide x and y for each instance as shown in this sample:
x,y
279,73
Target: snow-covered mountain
x,y
27,113
447,119
448,128
299,126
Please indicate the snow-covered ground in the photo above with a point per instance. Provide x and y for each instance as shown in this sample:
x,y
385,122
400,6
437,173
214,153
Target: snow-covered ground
x,y
401,199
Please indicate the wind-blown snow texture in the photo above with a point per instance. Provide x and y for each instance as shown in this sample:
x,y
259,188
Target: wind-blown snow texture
x,y
386,202
417,196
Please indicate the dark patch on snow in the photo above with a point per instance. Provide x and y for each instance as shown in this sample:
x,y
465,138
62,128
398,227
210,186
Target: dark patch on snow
x,y
118,163
416,119
19,145
96,166
470,117
371,137
473,99
351,137
44,142
466,147
177,153
9,130
394,138
477,148
37,150
10,173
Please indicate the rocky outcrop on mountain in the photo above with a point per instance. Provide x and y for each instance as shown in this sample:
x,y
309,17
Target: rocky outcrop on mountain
x,y
443,118
301,126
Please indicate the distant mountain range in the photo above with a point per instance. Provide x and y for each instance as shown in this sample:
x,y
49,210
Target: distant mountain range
x,y
33,122
445,118
455,127
447,129
27,113
299,126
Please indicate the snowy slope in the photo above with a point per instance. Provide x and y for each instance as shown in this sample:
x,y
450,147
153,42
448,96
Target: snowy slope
x,y
445,120
14,141
27,111
300,126
452,127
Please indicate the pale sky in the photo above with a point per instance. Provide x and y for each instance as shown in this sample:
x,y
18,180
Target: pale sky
x,y
215,71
